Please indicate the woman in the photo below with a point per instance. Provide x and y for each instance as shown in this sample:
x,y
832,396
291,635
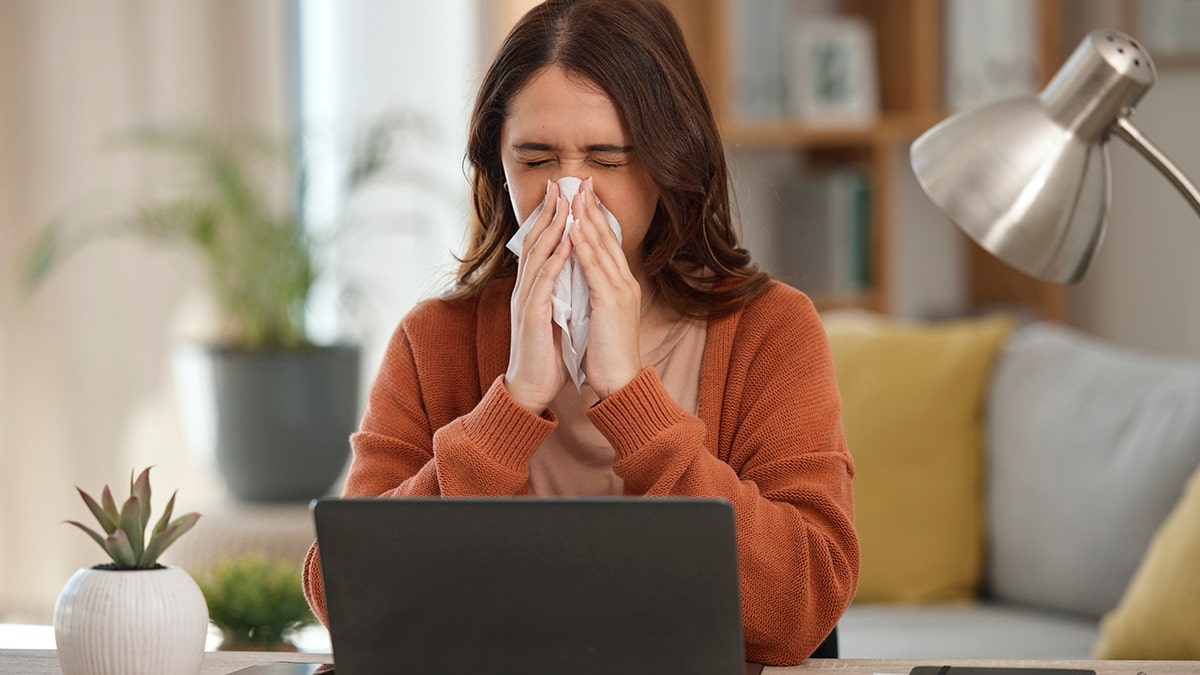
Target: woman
x,y
703,377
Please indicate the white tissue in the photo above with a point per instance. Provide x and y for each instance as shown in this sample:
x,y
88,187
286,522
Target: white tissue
x,y
570,298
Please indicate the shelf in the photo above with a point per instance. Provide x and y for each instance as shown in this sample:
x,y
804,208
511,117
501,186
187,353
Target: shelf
x,y
867,300
887,130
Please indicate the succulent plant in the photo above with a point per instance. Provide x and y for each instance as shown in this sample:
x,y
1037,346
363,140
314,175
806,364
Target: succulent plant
x,y
126,541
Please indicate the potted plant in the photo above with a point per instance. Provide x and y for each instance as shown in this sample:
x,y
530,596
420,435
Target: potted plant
x,y
275,408
132,615
256,602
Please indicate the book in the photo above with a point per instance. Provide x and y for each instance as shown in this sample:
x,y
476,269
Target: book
x,y
826,233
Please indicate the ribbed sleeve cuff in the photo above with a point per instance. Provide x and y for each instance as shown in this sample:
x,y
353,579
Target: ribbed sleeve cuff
x,y
636,413
506,428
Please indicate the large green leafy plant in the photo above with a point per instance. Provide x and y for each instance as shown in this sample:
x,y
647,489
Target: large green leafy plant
x,y
232,209
125,538
259,261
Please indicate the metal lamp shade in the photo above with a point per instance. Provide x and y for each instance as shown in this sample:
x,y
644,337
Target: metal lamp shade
x,y
1028,179
1020,185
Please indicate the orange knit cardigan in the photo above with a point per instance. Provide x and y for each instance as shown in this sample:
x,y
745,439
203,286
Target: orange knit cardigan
x,y
768,438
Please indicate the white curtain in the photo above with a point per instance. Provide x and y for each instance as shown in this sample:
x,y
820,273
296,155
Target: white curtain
x,y
86,388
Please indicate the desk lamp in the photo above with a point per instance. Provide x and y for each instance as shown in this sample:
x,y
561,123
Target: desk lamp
x,y
1028,178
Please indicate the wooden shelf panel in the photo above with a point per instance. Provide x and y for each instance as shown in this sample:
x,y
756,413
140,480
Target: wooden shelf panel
x,y
886,130
869,300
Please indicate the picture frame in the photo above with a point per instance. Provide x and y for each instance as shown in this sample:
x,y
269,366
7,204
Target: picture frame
x,y
1168,29
832,76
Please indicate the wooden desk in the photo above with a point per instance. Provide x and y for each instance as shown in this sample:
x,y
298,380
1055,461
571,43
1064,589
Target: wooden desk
x,y
45,662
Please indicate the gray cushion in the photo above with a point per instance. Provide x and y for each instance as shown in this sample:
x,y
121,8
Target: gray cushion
x,y
1088,448
962,631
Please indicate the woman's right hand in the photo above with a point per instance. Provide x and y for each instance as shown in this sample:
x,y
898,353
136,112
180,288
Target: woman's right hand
x,y
536,371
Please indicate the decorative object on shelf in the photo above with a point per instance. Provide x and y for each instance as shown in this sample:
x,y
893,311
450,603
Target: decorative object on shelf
x,y
132,616
832,71
1168,28
991,51
256,602
1028,179
274,409
759,80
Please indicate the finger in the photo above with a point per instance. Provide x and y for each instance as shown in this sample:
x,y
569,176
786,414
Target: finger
x,y
531,238
544,247
544,219
548,239
543,282
589,204
596,244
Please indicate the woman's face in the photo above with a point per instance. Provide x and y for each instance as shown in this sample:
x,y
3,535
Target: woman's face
x,y
564,125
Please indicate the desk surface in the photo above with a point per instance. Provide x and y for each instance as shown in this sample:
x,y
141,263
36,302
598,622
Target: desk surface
x,y
45,662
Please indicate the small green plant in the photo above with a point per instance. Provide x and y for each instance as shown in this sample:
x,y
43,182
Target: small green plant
x,y
255,602
125,539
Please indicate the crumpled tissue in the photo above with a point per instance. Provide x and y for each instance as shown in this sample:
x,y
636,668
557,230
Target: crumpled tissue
x,y
570,298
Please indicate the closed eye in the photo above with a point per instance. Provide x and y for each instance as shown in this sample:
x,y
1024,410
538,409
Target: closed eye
x,y
611,160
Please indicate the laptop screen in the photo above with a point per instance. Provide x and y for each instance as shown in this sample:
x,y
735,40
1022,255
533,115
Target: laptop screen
x,y
530,585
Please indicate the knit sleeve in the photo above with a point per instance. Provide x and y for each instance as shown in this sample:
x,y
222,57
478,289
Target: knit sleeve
x,y
781,459
397,452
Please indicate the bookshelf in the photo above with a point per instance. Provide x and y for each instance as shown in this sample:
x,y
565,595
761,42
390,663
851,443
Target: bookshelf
x,y
908,63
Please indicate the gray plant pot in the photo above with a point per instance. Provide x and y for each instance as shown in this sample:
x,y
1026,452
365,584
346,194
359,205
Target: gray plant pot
x,y
280,421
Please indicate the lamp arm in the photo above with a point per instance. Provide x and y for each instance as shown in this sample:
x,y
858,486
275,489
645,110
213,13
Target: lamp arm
x,y
1125,130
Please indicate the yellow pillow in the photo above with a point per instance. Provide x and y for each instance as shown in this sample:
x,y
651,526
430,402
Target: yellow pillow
x,y
1159,615
912,396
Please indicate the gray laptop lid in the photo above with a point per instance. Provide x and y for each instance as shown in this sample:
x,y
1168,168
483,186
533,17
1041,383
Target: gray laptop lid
x,y
515,585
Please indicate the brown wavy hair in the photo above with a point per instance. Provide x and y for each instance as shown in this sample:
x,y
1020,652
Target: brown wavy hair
x,y
634,50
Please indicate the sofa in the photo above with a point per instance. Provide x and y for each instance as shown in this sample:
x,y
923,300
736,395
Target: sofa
x,y
1021,492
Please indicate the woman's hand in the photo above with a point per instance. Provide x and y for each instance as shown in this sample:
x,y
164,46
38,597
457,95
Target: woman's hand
x,y
536,371
612,358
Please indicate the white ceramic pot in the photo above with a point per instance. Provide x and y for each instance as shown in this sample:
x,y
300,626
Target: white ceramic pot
x,y
133,622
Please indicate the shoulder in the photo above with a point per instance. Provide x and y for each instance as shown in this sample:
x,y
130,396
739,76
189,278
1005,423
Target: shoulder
x,y
444,319
778,307
437,314
779,330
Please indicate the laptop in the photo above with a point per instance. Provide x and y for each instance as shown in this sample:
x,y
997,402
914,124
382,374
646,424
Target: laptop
x,y
531,585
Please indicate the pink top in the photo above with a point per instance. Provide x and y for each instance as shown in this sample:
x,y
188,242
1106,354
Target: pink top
x,y
576,460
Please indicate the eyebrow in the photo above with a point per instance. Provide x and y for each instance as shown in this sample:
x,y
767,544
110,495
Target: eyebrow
x,y
597,147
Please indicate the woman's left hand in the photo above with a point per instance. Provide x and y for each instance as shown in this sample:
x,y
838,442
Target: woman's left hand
x,y
612,358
